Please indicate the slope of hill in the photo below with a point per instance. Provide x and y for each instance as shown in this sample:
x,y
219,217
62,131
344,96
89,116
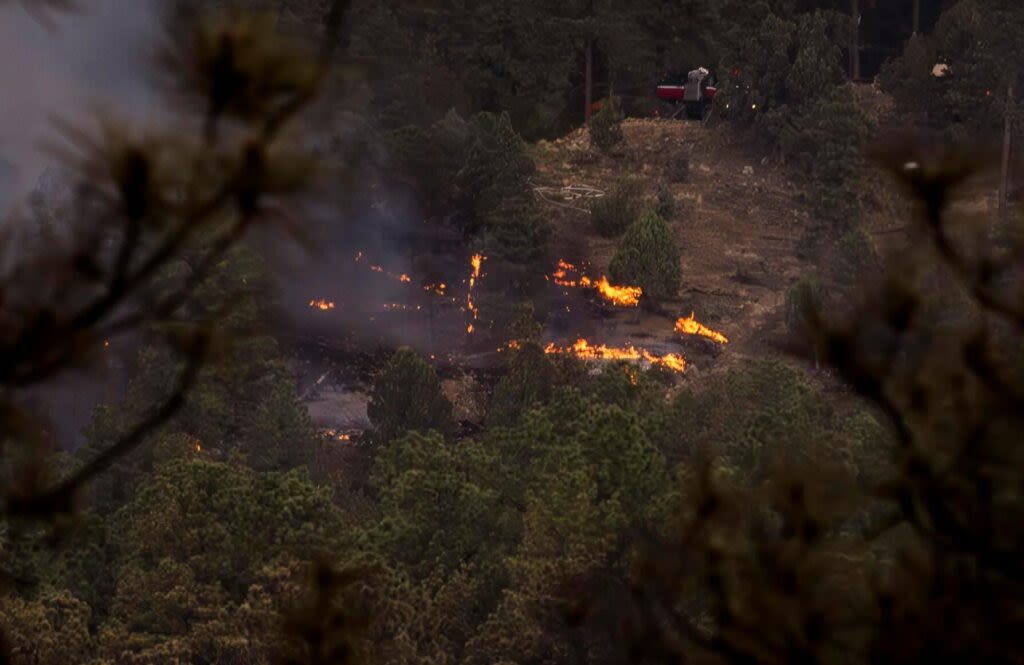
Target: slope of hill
x,y
738,221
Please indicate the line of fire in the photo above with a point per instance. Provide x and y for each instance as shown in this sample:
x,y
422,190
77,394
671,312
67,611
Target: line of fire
x,y
426,296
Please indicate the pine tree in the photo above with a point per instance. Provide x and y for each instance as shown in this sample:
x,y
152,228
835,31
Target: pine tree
x,y
648,257
407,396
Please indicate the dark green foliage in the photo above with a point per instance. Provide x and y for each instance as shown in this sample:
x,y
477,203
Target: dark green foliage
x,y
784,64
196,556
244,403
495,196
980,41
427,60
407,396
854,260
586,475
495,165
430,159
606,125
616,210
827,140
762,420
908,78
804,302
437,509
515,231
527,383
476,173
666,208
648,256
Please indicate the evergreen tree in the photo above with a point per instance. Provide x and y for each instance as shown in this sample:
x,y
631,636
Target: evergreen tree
x,y
407,396
979,41
648,257
614,212
245,403
804,301
527,383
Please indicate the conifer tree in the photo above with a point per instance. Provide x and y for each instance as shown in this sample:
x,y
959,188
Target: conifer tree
x,y
648,257
407,396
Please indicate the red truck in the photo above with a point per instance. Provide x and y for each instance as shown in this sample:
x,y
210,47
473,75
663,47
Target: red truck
x,y
692,92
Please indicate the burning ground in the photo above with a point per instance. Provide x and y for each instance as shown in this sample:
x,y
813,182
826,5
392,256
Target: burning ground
x,y
737,223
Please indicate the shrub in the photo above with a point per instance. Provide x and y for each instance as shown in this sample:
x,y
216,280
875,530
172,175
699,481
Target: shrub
x,y
837,130
853,259
515,231
613,213
606,125
430,158
527,384
495,166
782,67
666,202
407,396
803,302
678,169
648,256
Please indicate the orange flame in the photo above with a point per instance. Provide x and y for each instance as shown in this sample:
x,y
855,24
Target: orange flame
x,y
404,278
321,304
198,445
690,326
623,296
475,262
584,349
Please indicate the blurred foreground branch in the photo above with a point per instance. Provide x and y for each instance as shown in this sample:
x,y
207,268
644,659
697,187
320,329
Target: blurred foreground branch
x,y
142,202
918,563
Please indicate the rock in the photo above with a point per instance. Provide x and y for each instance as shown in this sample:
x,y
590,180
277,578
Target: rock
x,y
337,408
748,170
463,392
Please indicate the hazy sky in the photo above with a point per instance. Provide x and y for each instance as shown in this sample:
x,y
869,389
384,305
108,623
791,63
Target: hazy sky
x,y
99,56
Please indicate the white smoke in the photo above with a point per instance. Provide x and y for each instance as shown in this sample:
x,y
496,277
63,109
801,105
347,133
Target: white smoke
x,y
97,58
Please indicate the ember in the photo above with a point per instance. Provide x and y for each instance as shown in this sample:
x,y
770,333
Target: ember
x,y
439,289
623,296
690,326
584,349
321,304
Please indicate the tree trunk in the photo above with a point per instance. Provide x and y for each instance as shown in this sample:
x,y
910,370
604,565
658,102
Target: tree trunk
x,y
854,39
917,17
589,82
1004,170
